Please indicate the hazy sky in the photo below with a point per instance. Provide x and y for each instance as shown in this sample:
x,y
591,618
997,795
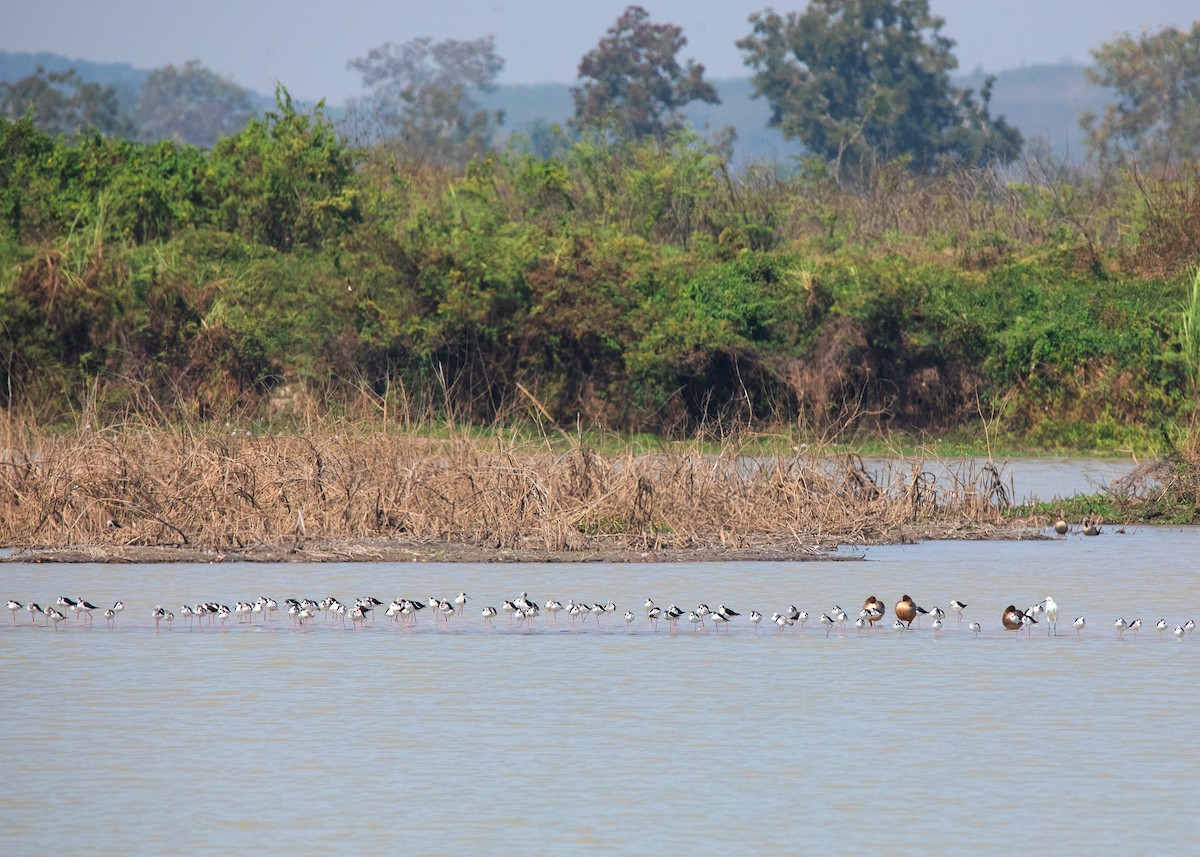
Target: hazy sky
x,y
305,44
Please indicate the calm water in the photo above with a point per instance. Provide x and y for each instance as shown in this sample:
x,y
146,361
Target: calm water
x,y
609,739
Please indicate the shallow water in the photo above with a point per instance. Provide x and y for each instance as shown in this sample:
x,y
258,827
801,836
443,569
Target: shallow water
x,y
606,738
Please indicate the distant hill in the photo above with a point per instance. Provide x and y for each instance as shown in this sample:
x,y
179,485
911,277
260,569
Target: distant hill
x,y
1044,101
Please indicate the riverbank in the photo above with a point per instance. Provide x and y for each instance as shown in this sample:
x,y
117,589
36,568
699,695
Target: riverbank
x,y
392,551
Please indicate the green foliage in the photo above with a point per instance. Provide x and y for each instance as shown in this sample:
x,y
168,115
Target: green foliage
x,y
629,285
858,81
632,83
283,181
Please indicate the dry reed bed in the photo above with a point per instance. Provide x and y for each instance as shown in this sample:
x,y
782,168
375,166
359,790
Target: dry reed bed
x,y
187,487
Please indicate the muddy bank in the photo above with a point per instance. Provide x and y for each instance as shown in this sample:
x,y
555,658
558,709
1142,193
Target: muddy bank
x,y
391,550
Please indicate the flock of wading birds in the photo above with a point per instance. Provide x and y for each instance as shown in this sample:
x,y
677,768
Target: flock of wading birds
x,y
522,612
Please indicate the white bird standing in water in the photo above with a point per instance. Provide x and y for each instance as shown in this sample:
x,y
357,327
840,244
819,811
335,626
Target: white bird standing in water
x,y
1051,615
1080,622
958,607
974,626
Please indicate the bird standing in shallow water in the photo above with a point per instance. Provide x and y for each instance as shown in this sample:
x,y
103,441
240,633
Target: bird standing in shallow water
x,y
14,606
1051,609
906,611
875,610
974,626
1179,632
958,607
1120,625
1012,618
1080,623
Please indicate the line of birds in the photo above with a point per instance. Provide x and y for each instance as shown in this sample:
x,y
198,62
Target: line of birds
x,y
523,611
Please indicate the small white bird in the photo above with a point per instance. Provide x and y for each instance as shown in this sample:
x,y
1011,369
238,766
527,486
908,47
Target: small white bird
x,y
1161,626
1051,609
1135,626
1120,625
755,618
897,625
629,617
1080,622
937,627
488,614
958,607
1179,632
14,606
974,626
827,621
695,619
1189,625
460,601
110,615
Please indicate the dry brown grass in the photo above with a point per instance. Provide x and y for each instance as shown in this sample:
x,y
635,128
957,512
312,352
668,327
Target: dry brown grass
x,y
203,488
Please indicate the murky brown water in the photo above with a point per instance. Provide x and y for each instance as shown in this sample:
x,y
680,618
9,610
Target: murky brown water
x,y
609,739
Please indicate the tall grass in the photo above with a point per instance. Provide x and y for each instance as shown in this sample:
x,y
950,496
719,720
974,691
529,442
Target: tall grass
x,y
190,485
1189,329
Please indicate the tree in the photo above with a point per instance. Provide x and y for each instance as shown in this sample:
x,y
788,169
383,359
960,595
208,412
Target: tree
x,y
284,180
632,81
60,102
422,95
1156,78
191,104
855,80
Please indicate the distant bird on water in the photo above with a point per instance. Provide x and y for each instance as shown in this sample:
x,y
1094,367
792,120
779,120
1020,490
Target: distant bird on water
x,y
1012,618
1061,527
958,607
974,626
1080,623
906,611
14,606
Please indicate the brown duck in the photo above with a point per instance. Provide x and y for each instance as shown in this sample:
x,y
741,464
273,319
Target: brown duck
x,y
906,610
1012,618
876,607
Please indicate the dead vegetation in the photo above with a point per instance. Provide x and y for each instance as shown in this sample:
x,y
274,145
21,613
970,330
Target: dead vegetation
x,y
201,488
